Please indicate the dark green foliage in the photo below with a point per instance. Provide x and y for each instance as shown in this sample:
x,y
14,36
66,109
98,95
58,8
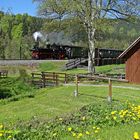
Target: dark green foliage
x,y
15,88
5,93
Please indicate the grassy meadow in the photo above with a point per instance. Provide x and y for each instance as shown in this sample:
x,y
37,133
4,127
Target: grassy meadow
x,y
54,113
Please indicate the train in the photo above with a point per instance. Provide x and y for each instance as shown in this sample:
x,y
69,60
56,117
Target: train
x,y
62,52
58,52
107,56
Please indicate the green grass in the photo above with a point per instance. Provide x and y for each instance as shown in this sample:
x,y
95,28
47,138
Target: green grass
x,y
56,66
51,102
111,69
60,101
59,67
47,103
123,132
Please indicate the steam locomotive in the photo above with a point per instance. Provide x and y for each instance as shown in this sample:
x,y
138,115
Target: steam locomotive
x,y
59,52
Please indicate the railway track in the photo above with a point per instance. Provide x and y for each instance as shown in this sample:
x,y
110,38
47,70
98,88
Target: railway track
x,y
25,62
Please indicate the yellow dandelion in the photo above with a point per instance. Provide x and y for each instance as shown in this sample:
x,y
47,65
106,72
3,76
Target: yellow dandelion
x,y
136,136
84,118
121,116
114,117
60,119
96,131
98,128
73,134
94,127
1,134
134,118
80,134
69,129
113,112
87,132
9,137
138,106
54,134
1,126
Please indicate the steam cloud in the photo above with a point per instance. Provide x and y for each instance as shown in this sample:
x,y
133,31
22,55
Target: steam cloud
x,y
37,35
53,38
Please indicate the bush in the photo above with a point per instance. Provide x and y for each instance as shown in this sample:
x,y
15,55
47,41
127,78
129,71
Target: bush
x,y
11,87
5,93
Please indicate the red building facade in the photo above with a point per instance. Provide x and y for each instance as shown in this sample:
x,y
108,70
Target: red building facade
x,y
132,57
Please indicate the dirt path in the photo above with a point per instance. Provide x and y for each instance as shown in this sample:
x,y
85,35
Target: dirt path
x,y
105,85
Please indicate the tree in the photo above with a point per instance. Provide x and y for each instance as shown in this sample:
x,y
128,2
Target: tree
x,y
91,13
17,31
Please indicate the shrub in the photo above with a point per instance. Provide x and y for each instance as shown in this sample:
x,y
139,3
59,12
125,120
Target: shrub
x,y
11,87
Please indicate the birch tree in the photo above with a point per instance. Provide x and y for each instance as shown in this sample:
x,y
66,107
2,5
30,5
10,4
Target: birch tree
x,y
91,14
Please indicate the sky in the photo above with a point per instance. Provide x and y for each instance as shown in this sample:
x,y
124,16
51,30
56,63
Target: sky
x,y
19,6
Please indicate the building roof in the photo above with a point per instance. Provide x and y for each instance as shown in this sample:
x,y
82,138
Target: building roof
x,y
130,48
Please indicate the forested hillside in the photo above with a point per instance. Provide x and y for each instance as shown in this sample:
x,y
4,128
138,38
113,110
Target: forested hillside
x,y
113,33
16,33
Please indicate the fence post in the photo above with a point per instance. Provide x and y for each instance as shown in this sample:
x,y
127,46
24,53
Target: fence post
x,y
110,90
65,78
32,78
76,88
56,76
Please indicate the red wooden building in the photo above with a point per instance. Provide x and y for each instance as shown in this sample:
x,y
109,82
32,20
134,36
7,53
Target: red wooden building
x,y
132,61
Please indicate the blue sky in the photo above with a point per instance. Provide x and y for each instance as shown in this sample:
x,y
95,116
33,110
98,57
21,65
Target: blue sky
x,y
19,6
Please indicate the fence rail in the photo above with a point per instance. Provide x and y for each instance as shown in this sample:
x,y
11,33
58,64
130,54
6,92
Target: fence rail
x,y
44,79
3,73
74,63
98,62
94,77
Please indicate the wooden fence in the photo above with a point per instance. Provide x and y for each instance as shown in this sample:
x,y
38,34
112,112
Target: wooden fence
x,y
95,77
3,73
98,62
45,79
75,63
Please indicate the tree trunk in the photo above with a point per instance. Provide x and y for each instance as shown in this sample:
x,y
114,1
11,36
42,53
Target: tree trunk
x,y
91,55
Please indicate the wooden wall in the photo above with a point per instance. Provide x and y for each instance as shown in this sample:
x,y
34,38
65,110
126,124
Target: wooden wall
x,y
133,66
